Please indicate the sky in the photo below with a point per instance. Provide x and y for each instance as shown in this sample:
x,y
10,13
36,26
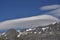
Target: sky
x,y
11,11
14,9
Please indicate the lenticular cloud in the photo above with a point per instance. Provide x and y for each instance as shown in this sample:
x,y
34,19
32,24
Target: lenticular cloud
x,y
28,22
54,10
50,7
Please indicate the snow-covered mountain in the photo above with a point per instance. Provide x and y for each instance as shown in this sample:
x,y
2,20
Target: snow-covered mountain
x,y
52,31
29,22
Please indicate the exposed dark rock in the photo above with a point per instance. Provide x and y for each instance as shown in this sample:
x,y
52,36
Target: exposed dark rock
x,y
48,32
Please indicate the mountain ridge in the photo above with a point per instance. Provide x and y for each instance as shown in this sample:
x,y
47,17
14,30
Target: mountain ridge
x,y
51,31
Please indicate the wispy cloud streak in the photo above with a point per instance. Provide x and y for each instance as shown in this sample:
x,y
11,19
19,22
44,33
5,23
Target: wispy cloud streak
x,y
55,10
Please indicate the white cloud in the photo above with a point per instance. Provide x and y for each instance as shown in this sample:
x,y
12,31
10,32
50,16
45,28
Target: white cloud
x,y
55,10
50,7
34,20
28,22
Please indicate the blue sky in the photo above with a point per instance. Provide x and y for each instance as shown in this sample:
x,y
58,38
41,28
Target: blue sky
x,y
13,9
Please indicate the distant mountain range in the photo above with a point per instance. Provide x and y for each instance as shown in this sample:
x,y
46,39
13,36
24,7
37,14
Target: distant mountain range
x,y
47,32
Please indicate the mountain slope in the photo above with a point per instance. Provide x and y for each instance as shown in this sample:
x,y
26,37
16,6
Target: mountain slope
x,y
48,32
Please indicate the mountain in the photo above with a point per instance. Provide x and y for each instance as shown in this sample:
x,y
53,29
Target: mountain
x,y
29,22
47,32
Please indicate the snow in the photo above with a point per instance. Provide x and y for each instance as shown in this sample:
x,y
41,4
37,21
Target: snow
x,y
3,33
53,22
29,29
19,34
39,32
35,32
43,29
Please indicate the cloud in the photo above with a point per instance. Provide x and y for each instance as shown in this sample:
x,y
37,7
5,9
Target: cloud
x,y
28,22
50,7
55,10
34,21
